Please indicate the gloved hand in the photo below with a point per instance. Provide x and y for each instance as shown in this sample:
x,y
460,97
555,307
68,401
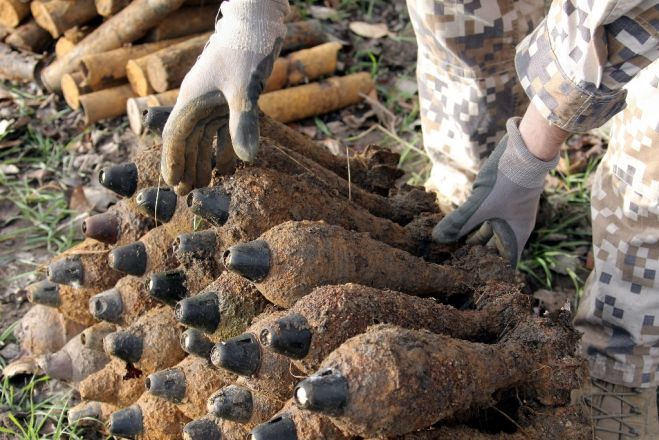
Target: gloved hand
x,y
226,80
504,201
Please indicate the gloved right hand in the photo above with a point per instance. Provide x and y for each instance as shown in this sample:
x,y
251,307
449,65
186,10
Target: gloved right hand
x,y
219,96
504,200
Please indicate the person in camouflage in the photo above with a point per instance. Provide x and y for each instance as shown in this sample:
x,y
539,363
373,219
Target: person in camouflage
x,y
583,64
480,64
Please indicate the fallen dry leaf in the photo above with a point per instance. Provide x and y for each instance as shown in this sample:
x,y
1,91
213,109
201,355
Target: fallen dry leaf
x,y
368,30
78,200
9,169
323,13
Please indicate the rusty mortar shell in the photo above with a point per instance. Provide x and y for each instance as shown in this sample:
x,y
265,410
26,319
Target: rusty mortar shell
x,y
263,371
239,404
73,362
212,204
251,260
84,265
118,383
90,413
157,203
254,200
104,227
155,118
196,343
168,287
202,429
151,343
45,293
92,337
224,309
67,299
289,336
124,303
284,264
68,270
291,422
150,418
44,330
120,224
188,384
431,363
121,179
321,321
240,355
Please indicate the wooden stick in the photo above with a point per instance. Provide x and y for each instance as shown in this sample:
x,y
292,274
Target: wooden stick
x,y
70,38
167,67
97,67
303,65
57,16
17,66
106,103
13,11
303,34
128,25
185,21
135,107
137,77
317,98
29,37
107,8
74,86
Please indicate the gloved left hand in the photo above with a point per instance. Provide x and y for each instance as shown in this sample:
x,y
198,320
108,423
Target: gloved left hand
x,y
219,96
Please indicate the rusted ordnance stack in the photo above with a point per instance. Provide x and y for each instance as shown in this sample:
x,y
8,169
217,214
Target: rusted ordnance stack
x,y
271,306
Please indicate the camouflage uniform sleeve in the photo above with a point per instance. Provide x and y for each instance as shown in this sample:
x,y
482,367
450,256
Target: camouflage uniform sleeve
x,y
574,65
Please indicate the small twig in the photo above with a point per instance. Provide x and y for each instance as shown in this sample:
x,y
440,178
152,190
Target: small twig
x,y
399,139
362,134
155,210
290,370
349,175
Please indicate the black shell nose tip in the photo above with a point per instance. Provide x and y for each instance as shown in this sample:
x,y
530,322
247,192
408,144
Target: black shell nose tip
x,y
121,179
325,392
240,355
250,260
280,428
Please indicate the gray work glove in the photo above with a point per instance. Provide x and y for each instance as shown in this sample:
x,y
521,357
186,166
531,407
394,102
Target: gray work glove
x,y
219,96
504,201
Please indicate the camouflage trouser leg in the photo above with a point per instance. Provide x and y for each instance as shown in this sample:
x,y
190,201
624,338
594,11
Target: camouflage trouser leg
x,y
619,314
468,87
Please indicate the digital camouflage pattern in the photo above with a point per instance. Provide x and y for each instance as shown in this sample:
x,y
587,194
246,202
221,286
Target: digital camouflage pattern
x,y
480,61
468,87
619,314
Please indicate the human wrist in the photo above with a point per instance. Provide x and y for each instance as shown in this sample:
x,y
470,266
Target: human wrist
x,y
518,163
542,139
